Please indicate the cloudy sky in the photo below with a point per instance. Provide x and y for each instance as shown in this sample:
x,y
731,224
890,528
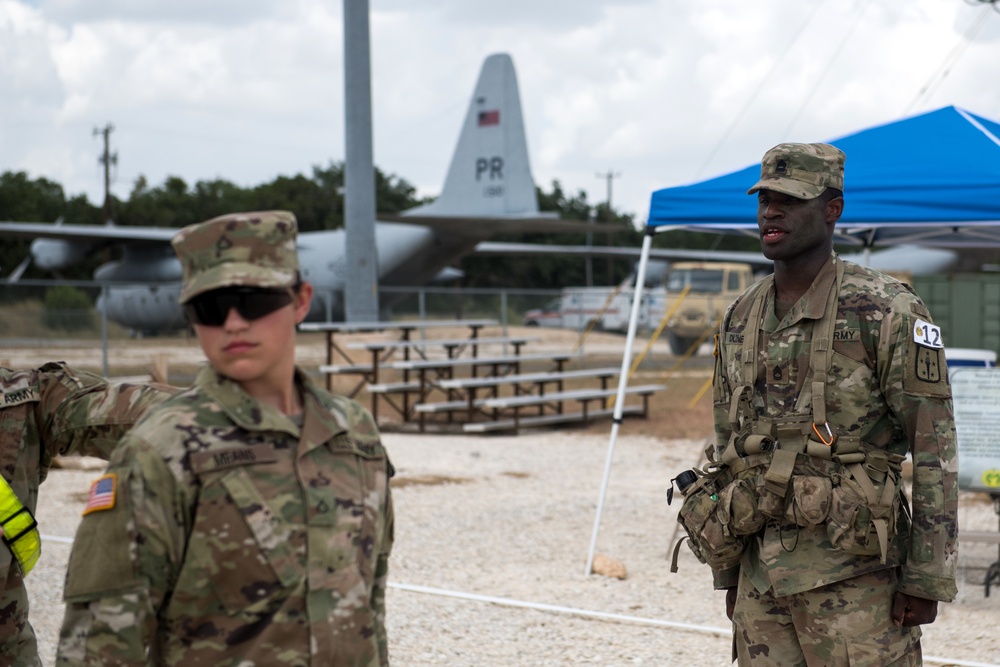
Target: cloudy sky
x,y
659,92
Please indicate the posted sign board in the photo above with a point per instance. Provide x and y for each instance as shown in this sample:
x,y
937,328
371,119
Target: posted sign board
x,y
976,392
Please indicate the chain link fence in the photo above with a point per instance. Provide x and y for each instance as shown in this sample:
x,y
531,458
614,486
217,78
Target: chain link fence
x,y
51,312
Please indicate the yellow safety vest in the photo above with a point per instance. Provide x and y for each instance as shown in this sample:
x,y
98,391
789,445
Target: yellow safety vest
x,y
20,530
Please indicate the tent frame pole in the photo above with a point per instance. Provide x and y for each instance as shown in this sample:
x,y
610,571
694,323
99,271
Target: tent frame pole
x,y
633,322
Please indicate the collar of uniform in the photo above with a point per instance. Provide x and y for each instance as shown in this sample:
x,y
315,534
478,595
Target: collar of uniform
x,y
320,423
245,411
812,304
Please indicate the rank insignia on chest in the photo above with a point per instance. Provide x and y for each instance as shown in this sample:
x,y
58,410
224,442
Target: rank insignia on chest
x,y
776,373
102,494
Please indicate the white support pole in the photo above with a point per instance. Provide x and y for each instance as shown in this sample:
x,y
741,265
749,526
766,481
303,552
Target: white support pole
x,y
633,323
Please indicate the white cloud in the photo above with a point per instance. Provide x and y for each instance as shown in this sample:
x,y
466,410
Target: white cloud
x,y
662,92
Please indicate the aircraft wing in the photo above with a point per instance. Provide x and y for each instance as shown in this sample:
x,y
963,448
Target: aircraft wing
x,y
514,224
915,260
755,259
47,230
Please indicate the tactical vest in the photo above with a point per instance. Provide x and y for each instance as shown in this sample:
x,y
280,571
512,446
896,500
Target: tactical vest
x,y
795,471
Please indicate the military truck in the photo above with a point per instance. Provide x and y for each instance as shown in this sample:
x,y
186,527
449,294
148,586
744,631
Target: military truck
x,y
713,286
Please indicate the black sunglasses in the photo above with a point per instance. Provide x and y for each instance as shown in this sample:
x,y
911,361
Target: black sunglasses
x,y
212,308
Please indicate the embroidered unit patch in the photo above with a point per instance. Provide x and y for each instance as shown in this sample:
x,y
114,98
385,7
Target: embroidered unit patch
x,y
928,365
102,494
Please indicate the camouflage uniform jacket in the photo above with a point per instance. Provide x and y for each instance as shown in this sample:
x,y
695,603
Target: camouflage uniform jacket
x,y
44,412
237,537
884,388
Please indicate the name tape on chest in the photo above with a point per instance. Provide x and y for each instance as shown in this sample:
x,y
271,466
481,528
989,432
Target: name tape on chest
x,y
927,335
839,335
202,462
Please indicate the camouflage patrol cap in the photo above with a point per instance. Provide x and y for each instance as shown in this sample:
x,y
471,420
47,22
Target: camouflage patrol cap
x,y
803,171
256,249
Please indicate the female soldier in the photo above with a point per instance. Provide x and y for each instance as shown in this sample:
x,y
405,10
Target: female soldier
x,y
247,520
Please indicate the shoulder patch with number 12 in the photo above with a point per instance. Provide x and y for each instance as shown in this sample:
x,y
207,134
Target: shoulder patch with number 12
x,y
927,334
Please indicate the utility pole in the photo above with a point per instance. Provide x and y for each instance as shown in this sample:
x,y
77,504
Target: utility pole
x,y
361,284
107,159
609,175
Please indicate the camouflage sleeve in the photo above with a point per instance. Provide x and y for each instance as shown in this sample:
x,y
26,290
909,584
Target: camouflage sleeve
x,y
720,413
124,560
82,413
381,579
721,388
914,379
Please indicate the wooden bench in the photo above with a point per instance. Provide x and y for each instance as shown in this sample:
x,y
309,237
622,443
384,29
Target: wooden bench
x,y
553,401
521,383
452,346
527,378
346,369
431,372
394,387
512,361
404,328
582,395
549,420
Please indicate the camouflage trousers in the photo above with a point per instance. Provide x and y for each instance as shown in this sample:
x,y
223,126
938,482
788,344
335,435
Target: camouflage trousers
x,y
846,623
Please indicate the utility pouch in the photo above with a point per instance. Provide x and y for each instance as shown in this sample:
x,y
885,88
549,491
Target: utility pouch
x,y
863,512
810,500
738,508
711,538
738,500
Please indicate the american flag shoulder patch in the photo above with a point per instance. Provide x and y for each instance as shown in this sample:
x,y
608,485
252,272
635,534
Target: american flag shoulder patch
x,y
102,494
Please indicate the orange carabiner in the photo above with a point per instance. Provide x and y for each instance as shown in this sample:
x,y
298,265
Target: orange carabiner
x,y
829,434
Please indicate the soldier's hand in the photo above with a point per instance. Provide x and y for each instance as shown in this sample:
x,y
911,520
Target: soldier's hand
x,y
730,601
909,610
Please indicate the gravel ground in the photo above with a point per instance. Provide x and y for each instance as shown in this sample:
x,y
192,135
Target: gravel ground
x,y
511,517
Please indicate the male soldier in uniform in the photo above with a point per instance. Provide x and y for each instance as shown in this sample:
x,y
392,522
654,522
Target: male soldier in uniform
x,y
248,520
826,376
45,412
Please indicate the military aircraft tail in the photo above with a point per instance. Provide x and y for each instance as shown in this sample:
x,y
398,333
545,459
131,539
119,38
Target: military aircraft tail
x,y
489,175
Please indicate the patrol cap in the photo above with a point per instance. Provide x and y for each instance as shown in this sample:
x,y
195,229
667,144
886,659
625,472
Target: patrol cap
x,y
803,171
255,249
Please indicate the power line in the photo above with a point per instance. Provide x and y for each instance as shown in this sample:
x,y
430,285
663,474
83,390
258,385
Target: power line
x,y
797,34
829,66
939,75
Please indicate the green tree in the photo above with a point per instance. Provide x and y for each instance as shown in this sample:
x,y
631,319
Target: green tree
x,y
67,308
552,271
26,199
316,200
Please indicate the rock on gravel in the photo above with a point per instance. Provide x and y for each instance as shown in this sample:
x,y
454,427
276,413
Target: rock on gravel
x,y
511,517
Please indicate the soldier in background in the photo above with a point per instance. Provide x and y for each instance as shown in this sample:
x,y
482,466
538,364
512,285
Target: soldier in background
x,y
831,373
248,520
46,412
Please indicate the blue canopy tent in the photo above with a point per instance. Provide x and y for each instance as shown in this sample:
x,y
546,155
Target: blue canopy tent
x,y
931,179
